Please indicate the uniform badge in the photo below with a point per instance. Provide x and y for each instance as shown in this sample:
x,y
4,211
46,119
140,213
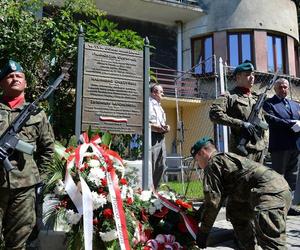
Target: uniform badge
x,y
13,66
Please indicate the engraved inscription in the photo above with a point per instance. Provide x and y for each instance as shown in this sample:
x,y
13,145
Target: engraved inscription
x,y
112,87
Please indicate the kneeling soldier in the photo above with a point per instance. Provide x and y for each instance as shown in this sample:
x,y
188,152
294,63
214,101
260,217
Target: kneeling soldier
x,y
260,197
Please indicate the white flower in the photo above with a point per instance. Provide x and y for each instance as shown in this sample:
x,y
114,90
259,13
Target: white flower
x,y
88,154
157,204
95,175
130,192
109,236
123,192
99,200
60,188
72,217
118,166
94,163
146,195
168,195
151,209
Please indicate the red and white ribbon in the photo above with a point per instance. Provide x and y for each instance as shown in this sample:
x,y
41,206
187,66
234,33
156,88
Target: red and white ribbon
x,y
163,241
83,201
112,119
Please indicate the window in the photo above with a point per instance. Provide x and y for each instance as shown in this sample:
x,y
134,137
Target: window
x,y
202,55
275,54
240,48
296,58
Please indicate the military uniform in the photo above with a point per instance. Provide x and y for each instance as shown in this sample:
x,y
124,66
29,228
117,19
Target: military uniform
x,y
260,200
17,187
232,110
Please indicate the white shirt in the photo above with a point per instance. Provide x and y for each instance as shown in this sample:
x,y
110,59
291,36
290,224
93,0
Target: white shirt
x,y
156,113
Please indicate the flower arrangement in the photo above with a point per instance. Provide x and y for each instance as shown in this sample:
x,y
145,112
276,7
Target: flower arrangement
x,y
88,195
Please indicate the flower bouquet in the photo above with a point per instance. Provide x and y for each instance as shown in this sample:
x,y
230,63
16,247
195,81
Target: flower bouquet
x,y
88,195
169,215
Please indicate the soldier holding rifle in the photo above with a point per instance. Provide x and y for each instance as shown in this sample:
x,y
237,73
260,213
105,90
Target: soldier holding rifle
x,y
233,110
21,172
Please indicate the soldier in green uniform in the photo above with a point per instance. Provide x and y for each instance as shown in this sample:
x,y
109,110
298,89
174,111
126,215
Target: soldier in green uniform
x,y
233,110
17,187
262,195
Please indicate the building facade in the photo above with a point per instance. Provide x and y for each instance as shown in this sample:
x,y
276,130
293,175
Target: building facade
x,y
191,35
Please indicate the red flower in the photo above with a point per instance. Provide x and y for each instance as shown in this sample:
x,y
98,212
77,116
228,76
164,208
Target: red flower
x,y
104,182
107,213
109,168
123,181
144,215
95,221
70,149
147,234
129,201
183,204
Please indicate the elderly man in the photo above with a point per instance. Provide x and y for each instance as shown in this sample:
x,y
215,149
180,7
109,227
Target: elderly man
x,y
158,130
283,117
233,109
17,187
262,196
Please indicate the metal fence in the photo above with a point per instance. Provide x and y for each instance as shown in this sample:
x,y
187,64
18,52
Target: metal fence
x,y
261,80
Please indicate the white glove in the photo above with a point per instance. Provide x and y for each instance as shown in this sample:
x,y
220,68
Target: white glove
x,y
296,127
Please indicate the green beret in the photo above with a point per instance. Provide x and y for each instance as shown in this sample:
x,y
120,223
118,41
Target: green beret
x,y
10,66
199,144
245,66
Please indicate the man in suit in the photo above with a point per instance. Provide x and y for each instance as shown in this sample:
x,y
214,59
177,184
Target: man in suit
x,y
283,117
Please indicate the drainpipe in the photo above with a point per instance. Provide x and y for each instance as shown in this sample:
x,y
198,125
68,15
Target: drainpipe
x,y
179,45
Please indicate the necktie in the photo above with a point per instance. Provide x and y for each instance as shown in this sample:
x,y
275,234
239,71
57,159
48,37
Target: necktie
x,y
286,104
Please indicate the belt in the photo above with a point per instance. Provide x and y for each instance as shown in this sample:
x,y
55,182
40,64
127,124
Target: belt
x,y
157,134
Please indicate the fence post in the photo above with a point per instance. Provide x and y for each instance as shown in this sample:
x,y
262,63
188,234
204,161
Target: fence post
x,y
147,168
223,131
216,133
79,83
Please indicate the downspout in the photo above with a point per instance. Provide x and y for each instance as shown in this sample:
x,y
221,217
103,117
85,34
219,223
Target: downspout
x,y
179,45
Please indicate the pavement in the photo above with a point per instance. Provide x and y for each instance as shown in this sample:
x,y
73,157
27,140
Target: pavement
x,y
221,236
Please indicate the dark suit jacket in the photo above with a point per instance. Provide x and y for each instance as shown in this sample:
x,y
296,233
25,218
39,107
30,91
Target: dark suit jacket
x,y
282,137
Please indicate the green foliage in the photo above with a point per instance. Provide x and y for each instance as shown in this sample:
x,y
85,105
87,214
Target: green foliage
x,y
46,45
192,190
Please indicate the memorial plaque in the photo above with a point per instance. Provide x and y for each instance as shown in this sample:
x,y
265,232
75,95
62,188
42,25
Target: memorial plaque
x,y
112,87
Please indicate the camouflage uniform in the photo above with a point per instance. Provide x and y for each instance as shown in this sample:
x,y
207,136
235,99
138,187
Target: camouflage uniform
x,y
17,188
261,199
232,110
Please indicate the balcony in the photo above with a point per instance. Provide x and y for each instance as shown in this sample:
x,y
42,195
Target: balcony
x,y
184,85
166,12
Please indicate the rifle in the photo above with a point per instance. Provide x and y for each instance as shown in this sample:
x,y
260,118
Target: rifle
x,y
9,140
253,117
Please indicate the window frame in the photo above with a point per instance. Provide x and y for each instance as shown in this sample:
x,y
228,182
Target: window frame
x,y
202,40
240,50
274,51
